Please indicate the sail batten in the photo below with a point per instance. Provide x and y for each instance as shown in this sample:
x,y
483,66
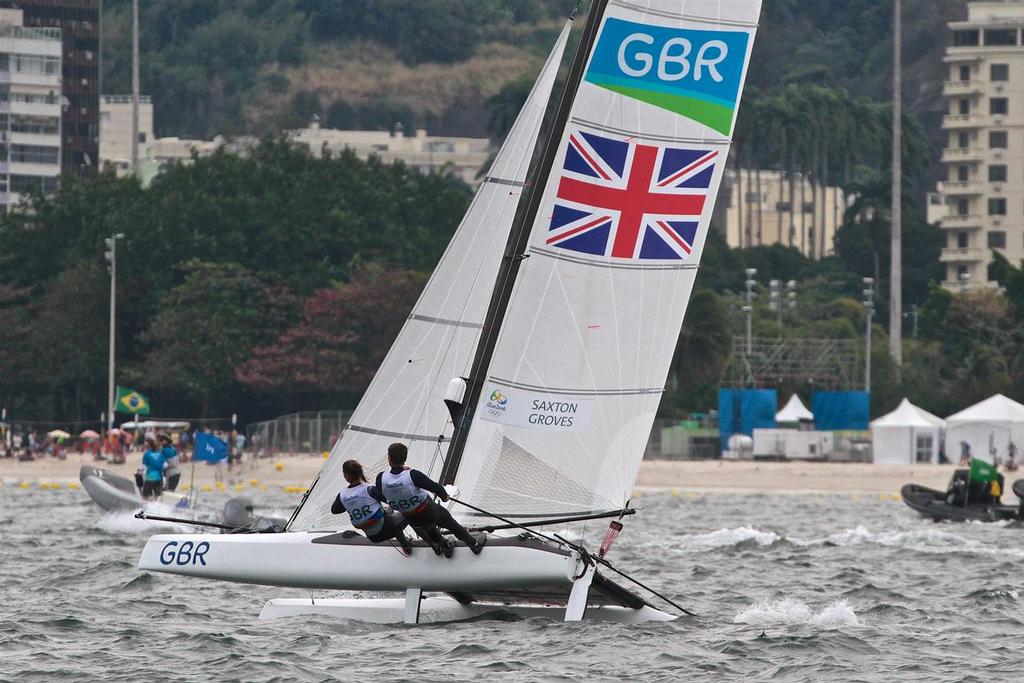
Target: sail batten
x,y
438,341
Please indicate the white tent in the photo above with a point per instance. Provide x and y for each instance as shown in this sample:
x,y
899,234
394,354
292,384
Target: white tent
x,y
988,428
906,435
794,411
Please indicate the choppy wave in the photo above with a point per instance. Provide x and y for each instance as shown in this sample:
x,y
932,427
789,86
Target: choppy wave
x,y
724,538
934,541
790,611
846,590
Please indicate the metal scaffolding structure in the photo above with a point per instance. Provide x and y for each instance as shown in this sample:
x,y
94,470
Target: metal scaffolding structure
x,y
834,364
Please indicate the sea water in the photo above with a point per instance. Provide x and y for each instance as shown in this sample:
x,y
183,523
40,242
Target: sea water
x,y
787,587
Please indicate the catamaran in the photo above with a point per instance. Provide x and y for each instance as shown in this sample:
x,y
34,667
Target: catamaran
x,y
529,372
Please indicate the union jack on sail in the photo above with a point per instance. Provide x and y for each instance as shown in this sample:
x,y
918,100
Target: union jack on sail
x,y
626,200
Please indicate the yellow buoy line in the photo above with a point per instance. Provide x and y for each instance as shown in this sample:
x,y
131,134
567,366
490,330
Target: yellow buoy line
x,y
252,484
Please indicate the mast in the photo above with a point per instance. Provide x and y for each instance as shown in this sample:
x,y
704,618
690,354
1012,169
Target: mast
x,y
515,252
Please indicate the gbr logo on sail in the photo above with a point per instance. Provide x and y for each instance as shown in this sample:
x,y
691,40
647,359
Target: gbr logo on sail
x,y
693,72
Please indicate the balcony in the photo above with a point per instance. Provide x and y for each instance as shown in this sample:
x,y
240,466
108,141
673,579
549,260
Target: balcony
x,y
962,188
955,88
952,155
964,255
961,222
955,121
958,287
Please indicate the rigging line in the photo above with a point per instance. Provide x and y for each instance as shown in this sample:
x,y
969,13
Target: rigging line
x,y
181,520
647,588
585,555
509,521
305,496
560,520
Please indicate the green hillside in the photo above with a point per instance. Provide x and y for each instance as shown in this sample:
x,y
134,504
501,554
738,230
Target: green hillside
x,y
257,66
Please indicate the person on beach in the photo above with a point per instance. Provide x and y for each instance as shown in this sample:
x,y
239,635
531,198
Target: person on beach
x,y
965,454
362,502
152,471
408,491
172,473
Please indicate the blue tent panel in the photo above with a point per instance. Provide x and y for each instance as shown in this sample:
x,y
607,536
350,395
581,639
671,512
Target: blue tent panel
x,y
841,410
740,411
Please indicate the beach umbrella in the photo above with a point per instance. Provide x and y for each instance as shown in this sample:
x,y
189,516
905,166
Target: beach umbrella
x,y
58,434
89,434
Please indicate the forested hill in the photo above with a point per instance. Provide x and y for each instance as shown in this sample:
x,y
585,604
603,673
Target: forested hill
x,y
258,66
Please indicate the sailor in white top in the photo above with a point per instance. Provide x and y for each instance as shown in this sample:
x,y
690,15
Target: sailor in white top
x,y
362,502
408,491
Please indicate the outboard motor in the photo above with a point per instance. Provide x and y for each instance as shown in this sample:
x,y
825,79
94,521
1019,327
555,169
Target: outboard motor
x,y
238,512
956,494
1018,490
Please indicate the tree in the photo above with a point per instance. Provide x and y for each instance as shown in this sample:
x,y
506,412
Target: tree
x,y
337,346
206,327
69,337
701,354
18,380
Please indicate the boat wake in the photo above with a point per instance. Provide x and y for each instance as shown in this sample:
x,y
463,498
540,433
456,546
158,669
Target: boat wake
x,y
791,612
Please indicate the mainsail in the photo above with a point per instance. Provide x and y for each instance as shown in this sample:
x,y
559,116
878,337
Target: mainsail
x,y
404,402
566,393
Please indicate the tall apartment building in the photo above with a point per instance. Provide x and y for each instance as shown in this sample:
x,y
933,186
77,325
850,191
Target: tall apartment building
x,y
759,211
79,22
30,107
984,154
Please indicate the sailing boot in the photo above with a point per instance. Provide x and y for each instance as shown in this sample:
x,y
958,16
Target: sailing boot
x,y
481,541
449,548
406,545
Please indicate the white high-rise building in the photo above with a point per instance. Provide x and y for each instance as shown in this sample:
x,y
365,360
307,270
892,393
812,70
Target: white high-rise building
x,y
30,107
984,154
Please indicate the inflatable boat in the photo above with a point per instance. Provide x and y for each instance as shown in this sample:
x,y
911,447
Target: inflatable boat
x,y
963,501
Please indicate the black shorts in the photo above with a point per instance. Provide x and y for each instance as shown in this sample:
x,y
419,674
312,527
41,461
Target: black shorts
x,y
152,489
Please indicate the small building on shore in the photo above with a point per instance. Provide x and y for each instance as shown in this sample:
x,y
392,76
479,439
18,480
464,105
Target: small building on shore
x,y
906,436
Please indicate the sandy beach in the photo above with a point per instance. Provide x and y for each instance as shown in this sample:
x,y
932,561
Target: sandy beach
x,y
292,473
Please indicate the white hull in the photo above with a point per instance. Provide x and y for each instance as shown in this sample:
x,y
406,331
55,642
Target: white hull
x,y
525,577
441,609
305,560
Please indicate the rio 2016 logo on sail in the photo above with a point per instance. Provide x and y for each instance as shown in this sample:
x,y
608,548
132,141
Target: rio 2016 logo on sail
x,y
692,72
498,403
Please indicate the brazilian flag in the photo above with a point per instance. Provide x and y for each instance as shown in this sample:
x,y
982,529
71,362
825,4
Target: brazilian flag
x,y
983,471
131,401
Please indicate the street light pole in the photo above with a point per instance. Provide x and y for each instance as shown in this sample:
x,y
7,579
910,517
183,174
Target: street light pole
x,y
775,302
896,250
869,306
111,256
749,308
135,88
